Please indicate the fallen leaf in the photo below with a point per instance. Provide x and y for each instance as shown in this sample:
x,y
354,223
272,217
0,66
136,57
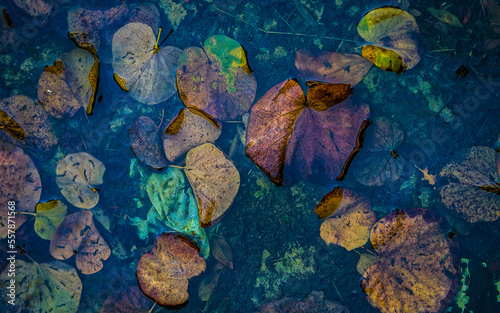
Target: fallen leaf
x,y
428,177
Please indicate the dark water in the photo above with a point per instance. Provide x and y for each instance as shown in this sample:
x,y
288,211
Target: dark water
x,y
440,113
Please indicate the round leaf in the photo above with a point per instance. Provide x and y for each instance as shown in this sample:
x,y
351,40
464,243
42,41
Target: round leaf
x,y
417,269
77,235
76,175
48,217
163,272
391,32
45,288
218,79
146,73
214,179
64,87
190,128
20,183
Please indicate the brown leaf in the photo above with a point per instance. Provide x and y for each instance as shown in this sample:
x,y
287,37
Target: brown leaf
x,y
127,300
163,272
77,232
145,142
221,251
10,126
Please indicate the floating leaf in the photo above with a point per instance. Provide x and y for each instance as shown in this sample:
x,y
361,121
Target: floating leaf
x,y
48,217
32,118
127,300
214,179
64,87
163,272
174,206
45,288
392,32
100,25
222,251
332,67
76,176
380,163
145,142
146,70
445,17
350,221
473,191
77,235
216,79
315,302
21,188
190,128
35,7
417,268
284,130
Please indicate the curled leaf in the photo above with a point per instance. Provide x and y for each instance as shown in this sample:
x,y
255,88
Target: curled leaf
x,y
77,235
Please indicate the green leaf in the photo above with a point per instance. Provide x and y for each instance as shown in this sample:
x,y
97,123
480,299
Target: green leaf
x,y
48,216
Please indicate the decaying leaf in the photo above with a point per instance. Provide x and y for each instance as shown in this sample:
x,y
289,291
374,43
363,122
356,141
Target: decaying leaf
x,y
48,217
391,32
445,17
10,126
127,300
163,273
221,251
350,221
145,142
77,233
45,288
146,70
76,176
216,79
190,128
473,191
417,268
214,179
21,187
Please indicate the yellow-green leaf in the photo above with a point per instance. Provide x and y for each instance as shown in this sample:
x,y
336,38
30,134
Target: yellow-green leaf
x,y
48,216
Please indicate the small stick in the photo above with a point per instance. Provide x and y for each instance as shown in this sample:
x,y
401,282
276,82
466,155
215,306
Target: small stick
x,y
177,166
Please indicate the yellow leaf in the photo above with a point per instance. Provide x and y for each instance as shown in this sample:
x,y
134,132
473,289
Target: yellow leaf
x,y
428,177
48,216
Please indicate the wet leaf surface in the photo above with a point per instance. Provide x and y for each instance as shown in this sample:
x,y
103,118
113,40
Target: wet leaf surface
x,y
64,87
47,287
417,266
332,67
145,142
48,217
148,76
191,127
77,232
20,183
33,119
163,273
127,300
379,162
350,221
392,33
472,191
216,79
214,179
76,176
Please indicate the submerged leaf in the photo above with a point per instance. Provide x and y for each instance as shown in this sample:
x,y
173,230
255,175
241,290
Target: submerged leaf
x,y
332,67
64,87
350,221
445,17
222,251
365,261
417,268
77,174
216,79
45,288
10,126
473,191
48,217
127,300
190,128
391,32
21,187
148,74
163,272
145,142
214,179
77,232
35,7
